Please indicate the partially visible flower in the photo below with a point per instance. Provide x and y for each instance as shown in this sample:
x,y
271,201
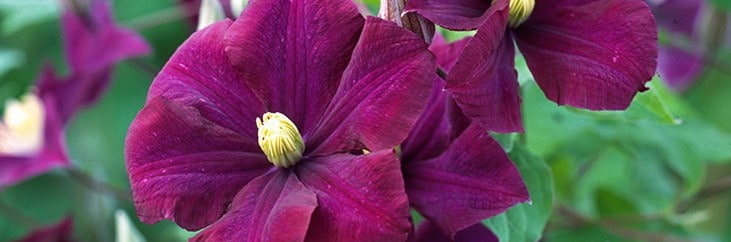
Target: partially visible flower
x,y
31,139
430,232
93,44
456,175
31,135
254,130
60,232
590,54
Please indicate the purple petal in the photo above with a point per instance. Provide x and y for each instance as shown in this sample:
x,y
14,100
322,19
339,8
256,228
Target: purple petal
x,y
678,68
273,207
200,75
473,180
95,42
361,198
184,167
52,154
430,232
453,14
60,232
442,120
382,93
680,16
293,53
589,53
484,82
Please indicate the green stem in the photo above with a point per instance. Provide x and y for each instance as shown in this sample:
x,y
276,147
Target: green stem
x,y
17,216
96,185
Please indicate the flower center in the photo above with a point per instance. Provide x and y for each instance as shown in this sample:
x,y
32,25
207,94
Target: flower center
x,y
520,10
280,140
21,130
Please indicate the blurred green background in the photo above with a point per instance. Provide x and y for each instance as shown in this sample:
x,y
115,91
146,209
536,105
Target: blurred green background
x,y
657,172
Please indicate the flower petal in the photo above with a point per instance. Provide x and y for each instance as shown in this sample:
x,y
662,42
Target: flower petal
x,y
430,232
679,68
273,207
59,232
184,167
382,93
52,154
484,82
361,198
200,75
473,180
680,16
590,54
293,52
99,42
452,14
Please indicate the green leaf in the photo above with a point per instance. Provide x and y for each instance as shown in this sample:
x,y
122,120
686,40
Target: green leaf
x,y
10,59
525,222
126,231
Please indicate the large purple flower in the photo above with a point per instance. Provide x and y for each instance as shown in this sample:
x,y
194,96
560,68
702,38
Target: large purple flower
x,y
593,54
430,232
328,85
456,175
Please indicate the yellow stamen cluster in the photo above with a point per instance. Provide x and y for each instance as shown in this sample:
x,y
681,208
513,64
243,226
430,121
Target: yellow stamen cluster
x,y
21,130
280,139
520,10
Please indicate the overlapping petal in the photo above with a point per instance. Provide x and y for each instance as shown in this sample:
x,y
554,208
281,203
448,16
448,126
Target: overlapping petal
x,y
452,14
200,75
273,207
360,198
293,53
184,167
590,54
430,232
472,180
484,81
382,93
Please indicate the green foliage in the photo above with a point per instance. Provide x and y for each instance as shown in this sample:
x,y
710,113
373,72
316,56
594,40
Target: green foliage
x,y
525,222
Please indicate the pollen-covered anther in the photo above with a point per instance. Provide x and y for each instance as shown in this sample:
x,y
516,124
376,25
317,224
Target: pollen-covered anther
x,y
21,130
520,10
280,139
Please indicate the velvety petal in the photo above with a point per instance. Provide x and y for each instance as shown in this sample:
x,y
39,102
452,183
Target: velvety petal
x,y
590,54
452,14
433,132
473,180
94,42
273,207
679,68
382,93
430,232
199,74
60,232
360,198
52,154
484,82
184,167
293,52
679,16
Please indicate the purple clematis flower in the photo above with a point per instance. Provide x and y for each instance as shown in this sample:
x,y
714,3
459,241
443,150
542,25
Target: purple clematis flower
x,y
255,129
430,232
592,54
60,232
456,175
31,133
93,44
678,65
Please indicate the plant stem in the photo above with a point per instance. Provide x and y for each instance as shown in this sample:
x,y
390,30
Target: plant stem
x,y
159,18
99,186
17,216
